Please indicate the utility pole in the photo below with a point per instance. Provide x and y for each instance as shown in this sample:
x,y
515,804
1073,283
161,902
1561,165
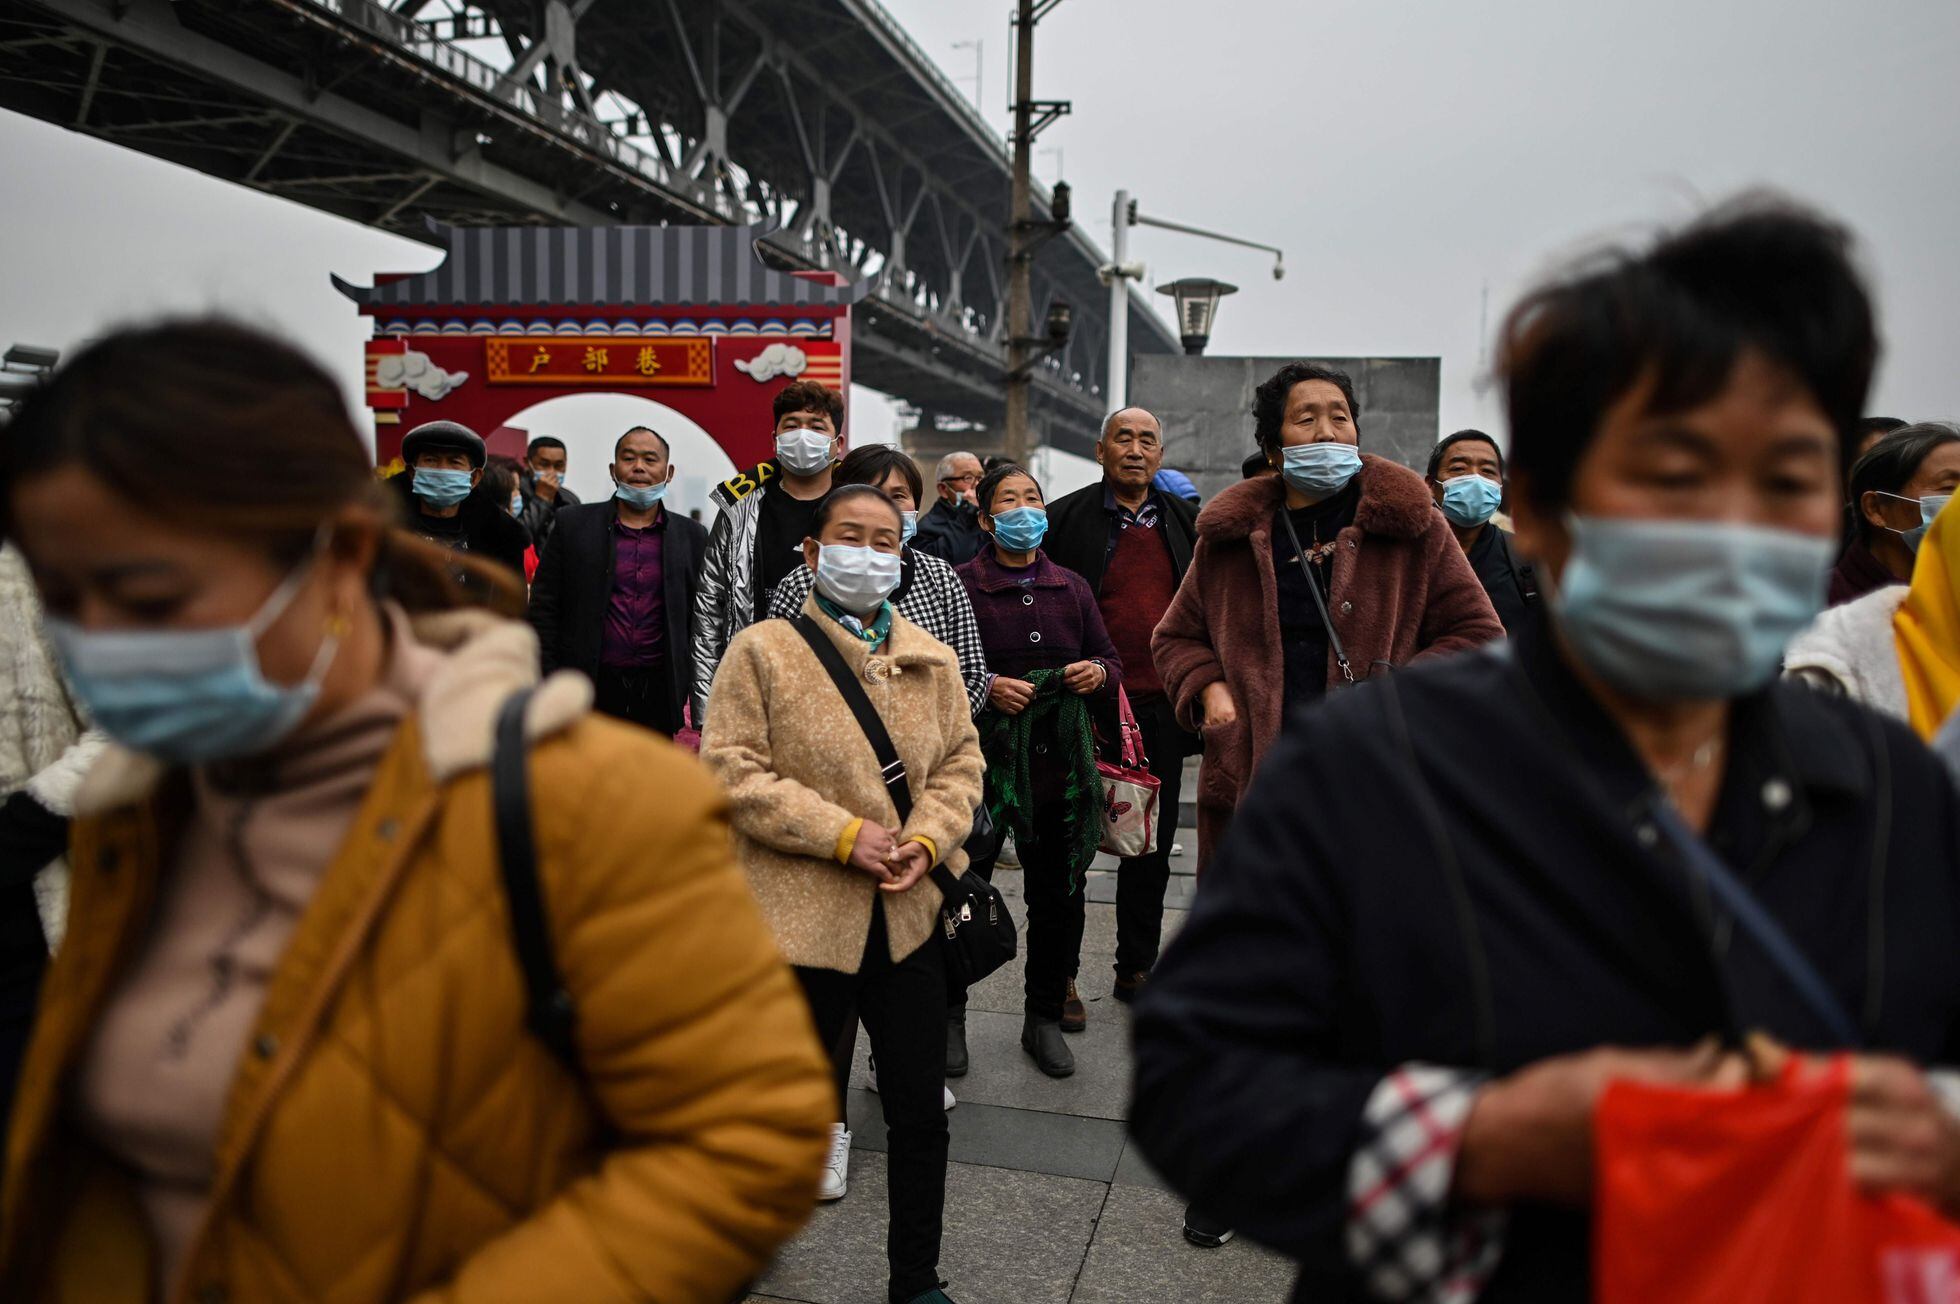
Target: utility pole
x,y
1118,384
1025,234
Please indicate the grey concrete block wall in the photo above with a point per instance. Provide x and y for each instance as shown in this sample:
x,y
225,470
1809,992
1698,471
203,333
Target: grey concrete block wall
x,y
1205,404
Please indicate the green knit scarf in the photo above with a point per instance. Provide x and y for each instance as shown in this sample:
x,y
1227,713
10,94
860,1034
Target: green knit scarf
x,y
1008,742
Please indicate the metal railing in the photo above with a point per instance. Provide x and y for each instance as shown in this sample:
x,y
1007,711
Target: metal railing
x,y
410,38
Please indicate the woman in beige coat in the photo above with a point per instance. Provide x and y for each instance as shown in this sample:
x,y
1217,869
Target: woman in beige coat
x,y
841,879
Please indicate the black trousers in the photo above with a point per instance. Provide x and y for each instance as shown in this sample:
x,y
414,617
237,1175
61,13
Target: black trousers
x,y
1141,881
1053,937
903,1006
643,696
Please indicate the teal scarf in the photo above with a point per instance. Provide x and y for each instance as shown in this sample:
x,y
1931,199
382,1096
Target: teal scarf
x,y
1008,742
873,634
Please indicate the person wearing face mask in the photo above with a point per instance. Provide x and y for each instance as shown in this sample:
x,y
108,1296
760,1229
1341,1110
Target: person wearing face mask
x,y
842,879
1896,488
1458,902
1339,540
541,487
442,499
1466,475
304,1024
929,592
1895,649
931,596
1054,667
614,594
765,515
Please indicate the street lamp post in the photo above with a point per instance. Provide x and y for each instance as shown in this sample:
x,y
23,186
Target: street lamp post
x,y
1119,272
22,368
1197,308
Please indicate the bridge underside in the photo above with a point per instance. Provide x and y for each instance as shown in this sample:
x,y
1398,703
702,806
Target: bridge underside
x,y
818,115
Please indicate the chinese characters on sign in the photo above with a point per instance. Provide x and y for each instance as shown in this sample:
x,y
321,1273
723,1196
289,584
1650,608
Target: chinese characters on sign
x,y
599,360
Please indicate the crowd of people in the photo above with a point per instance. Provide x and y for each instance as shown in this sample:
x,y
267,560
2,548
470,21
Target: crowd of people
x,y
395,949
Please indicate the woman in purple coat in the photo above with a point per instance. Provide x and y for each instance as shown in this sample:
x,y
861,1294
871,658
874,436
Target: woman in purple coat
x,y
1051,657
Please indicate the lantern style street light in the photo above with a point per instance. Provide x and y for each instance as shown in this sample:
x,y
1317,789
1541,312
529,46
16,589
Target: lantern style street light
x,y
1197,308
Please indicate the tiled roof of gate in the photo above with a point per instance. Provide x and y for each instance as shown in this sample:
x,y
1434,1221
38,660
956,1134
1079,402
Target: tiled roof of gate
x,y
569,265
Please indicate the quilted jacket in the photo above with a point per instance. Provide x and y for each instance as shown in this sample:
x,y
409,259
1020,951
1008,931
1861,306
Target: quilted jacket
x,y
724,596
393,1131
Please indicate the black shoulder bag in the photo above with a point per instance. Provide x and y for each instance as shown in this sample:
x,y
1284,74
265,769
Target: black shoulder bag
x,y
549,1011
975,928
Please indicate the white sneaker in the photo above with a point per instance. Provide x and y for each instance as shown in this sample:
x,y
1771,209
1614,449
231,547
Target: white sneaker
x,y
947,1104
837,1169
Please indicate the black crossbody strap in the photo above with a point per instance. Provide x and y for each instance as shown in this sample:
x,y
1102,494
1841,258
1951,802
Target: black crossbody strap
x,y
549,1011
1320,603
889,766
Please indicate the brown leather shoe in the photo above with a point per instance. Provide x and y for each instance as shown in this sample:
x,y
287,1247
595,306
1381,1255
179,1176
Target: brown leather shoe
x,y
1129,984
1075,1016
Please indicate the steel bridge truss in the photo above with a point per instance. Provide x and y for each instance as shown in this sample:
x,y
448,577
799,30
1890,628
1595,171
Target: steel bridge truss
x,y
818,116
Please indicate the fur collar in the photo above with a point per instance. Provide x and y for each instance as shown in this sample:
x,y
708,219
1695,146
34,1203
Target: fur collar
x,y
1395,503
488,660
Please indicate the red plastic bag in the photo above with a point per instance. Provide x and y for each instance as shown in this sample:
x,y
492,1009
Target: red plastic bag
x,y
1741,1196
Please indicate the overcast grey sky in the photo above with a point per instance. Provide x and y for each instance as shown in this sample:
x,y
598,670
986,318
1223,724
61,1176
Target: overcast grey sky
x,y
1406,153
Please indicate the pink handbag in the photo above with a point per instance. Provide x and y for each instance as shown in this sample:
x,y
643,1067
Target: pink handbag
x,y
687,736
1129,792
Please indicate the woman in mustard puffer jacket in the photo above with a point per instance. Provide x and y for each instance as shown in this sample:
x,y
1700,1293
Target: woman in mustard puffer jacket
x,y
284,1054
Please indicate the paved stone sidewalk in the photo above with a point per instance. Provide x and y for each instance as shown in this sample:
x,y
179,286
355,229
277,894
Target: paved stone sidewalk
x,y
1046,1200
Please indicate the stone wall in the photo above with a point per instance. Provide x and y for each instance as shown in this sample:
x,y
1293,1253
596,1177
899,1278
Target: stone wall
x,y
1205,404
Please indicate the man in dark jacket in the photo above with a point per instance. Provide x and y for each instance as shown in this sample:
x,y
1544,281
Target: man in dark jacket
x,y
1472,457
614,594
442,500
951,530
543,487
1132,542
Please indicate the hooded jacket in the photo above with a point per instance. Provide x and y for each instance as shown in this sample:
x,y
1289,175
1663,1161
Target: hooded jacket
x,y
393,1130
1400,590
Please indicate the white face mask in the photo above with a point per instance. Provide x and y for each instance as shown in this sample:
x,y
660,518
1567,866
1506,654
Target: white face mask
x,y
856,579
803,452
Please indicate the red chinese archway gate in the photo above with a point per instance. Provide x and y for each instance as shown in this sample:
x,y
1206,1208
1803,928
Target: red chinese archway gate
x,y
517,315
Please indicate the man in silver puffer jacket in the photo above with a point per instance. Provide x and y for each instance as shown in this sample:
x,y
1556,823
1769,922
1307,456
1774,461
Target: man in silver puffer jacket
x,y
758,537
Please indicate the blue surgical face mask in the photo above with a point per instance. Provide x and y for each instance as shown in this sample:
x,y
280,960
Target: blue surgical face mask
x,y
856,579
1687,610
517,504
441,488
189,696
639,497
1470,500
1929,508
1021,529
909,526
1321,469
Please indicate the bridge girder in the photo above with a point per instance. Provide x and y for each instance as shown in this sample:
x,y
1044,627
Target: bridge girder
x,y
357,108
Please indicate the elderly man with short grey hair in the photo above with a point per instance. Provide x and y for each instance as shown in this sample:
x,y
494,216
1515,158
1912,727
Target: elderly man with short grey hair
x,y
951,530
1133,543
